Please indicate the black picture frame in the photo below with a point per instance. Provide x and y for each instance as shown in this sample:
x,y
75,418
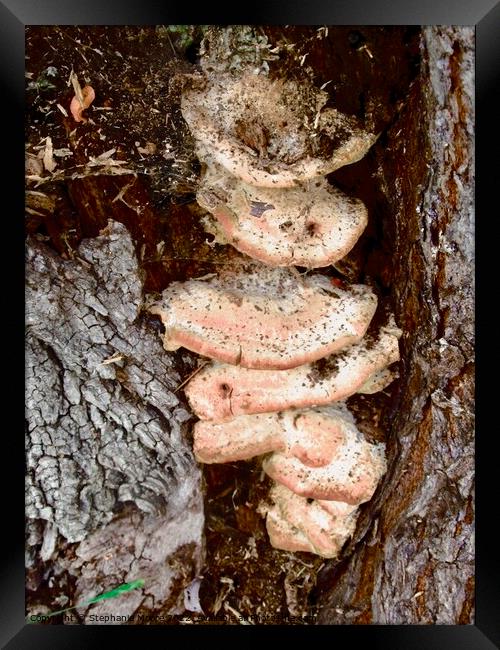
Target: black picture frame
x,y
14,16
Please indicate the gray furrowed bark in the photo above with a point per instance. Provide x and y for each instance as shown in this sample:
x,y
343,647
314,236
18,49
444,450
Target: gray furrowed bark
x,y
113,492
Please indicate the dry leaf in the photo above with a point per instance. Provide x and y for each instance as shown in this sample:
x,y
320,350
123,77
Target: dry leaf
x,y
48,155
33,165
148,150
62,109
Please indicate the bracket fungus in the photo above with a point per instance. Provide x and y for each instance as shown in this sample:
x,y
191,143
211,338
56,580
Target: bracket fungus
x,y
311,224
285,347
378,381
295,523
352,476
269,133
267,318
221,391
314,436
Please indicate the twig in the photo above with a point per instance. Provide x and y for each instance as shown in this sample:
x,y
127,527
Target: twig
x,y
195,372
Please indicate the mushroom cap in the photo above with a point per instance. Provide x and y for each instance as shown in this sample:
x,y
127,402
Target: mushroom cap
x,y
312,224
268,318
220,391
298,523
269,133
313,436
352,476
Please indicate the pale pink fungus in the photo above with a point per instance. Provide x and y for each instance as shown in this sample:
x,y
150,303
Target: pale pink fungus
x,y
284,536
267,318
352,476
76,107
295,523
314,436
312,224
268,133
378,381
294,342
221,391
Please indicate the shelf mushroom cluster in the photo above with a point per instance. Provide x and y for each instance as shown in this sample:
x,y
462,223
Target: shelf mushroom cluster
x,y
286,349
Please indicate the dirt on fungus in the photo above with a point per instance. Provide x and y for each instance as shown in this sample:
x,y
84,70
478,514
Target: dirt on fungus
x,y
133,161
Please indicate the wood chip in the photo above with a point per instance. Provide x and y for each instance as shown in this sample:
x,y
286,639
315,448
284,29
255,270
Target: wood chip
x,y
48,155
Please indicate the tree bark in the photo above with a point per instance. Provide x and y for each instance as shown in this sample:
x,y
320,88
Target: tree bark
x,y
113,493
416,562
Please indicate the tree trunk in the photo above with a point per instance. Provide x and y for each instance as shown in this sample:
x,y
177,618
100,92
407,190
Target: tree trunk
x,y
415,564
113,493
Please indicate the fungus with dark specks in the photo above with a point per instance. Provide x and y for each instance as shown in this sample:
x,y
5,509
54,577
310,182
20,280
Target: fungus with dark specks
x,y
312,224
378,381
295,523
267,318
294,343
268,132
313,436
352,476
222,391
